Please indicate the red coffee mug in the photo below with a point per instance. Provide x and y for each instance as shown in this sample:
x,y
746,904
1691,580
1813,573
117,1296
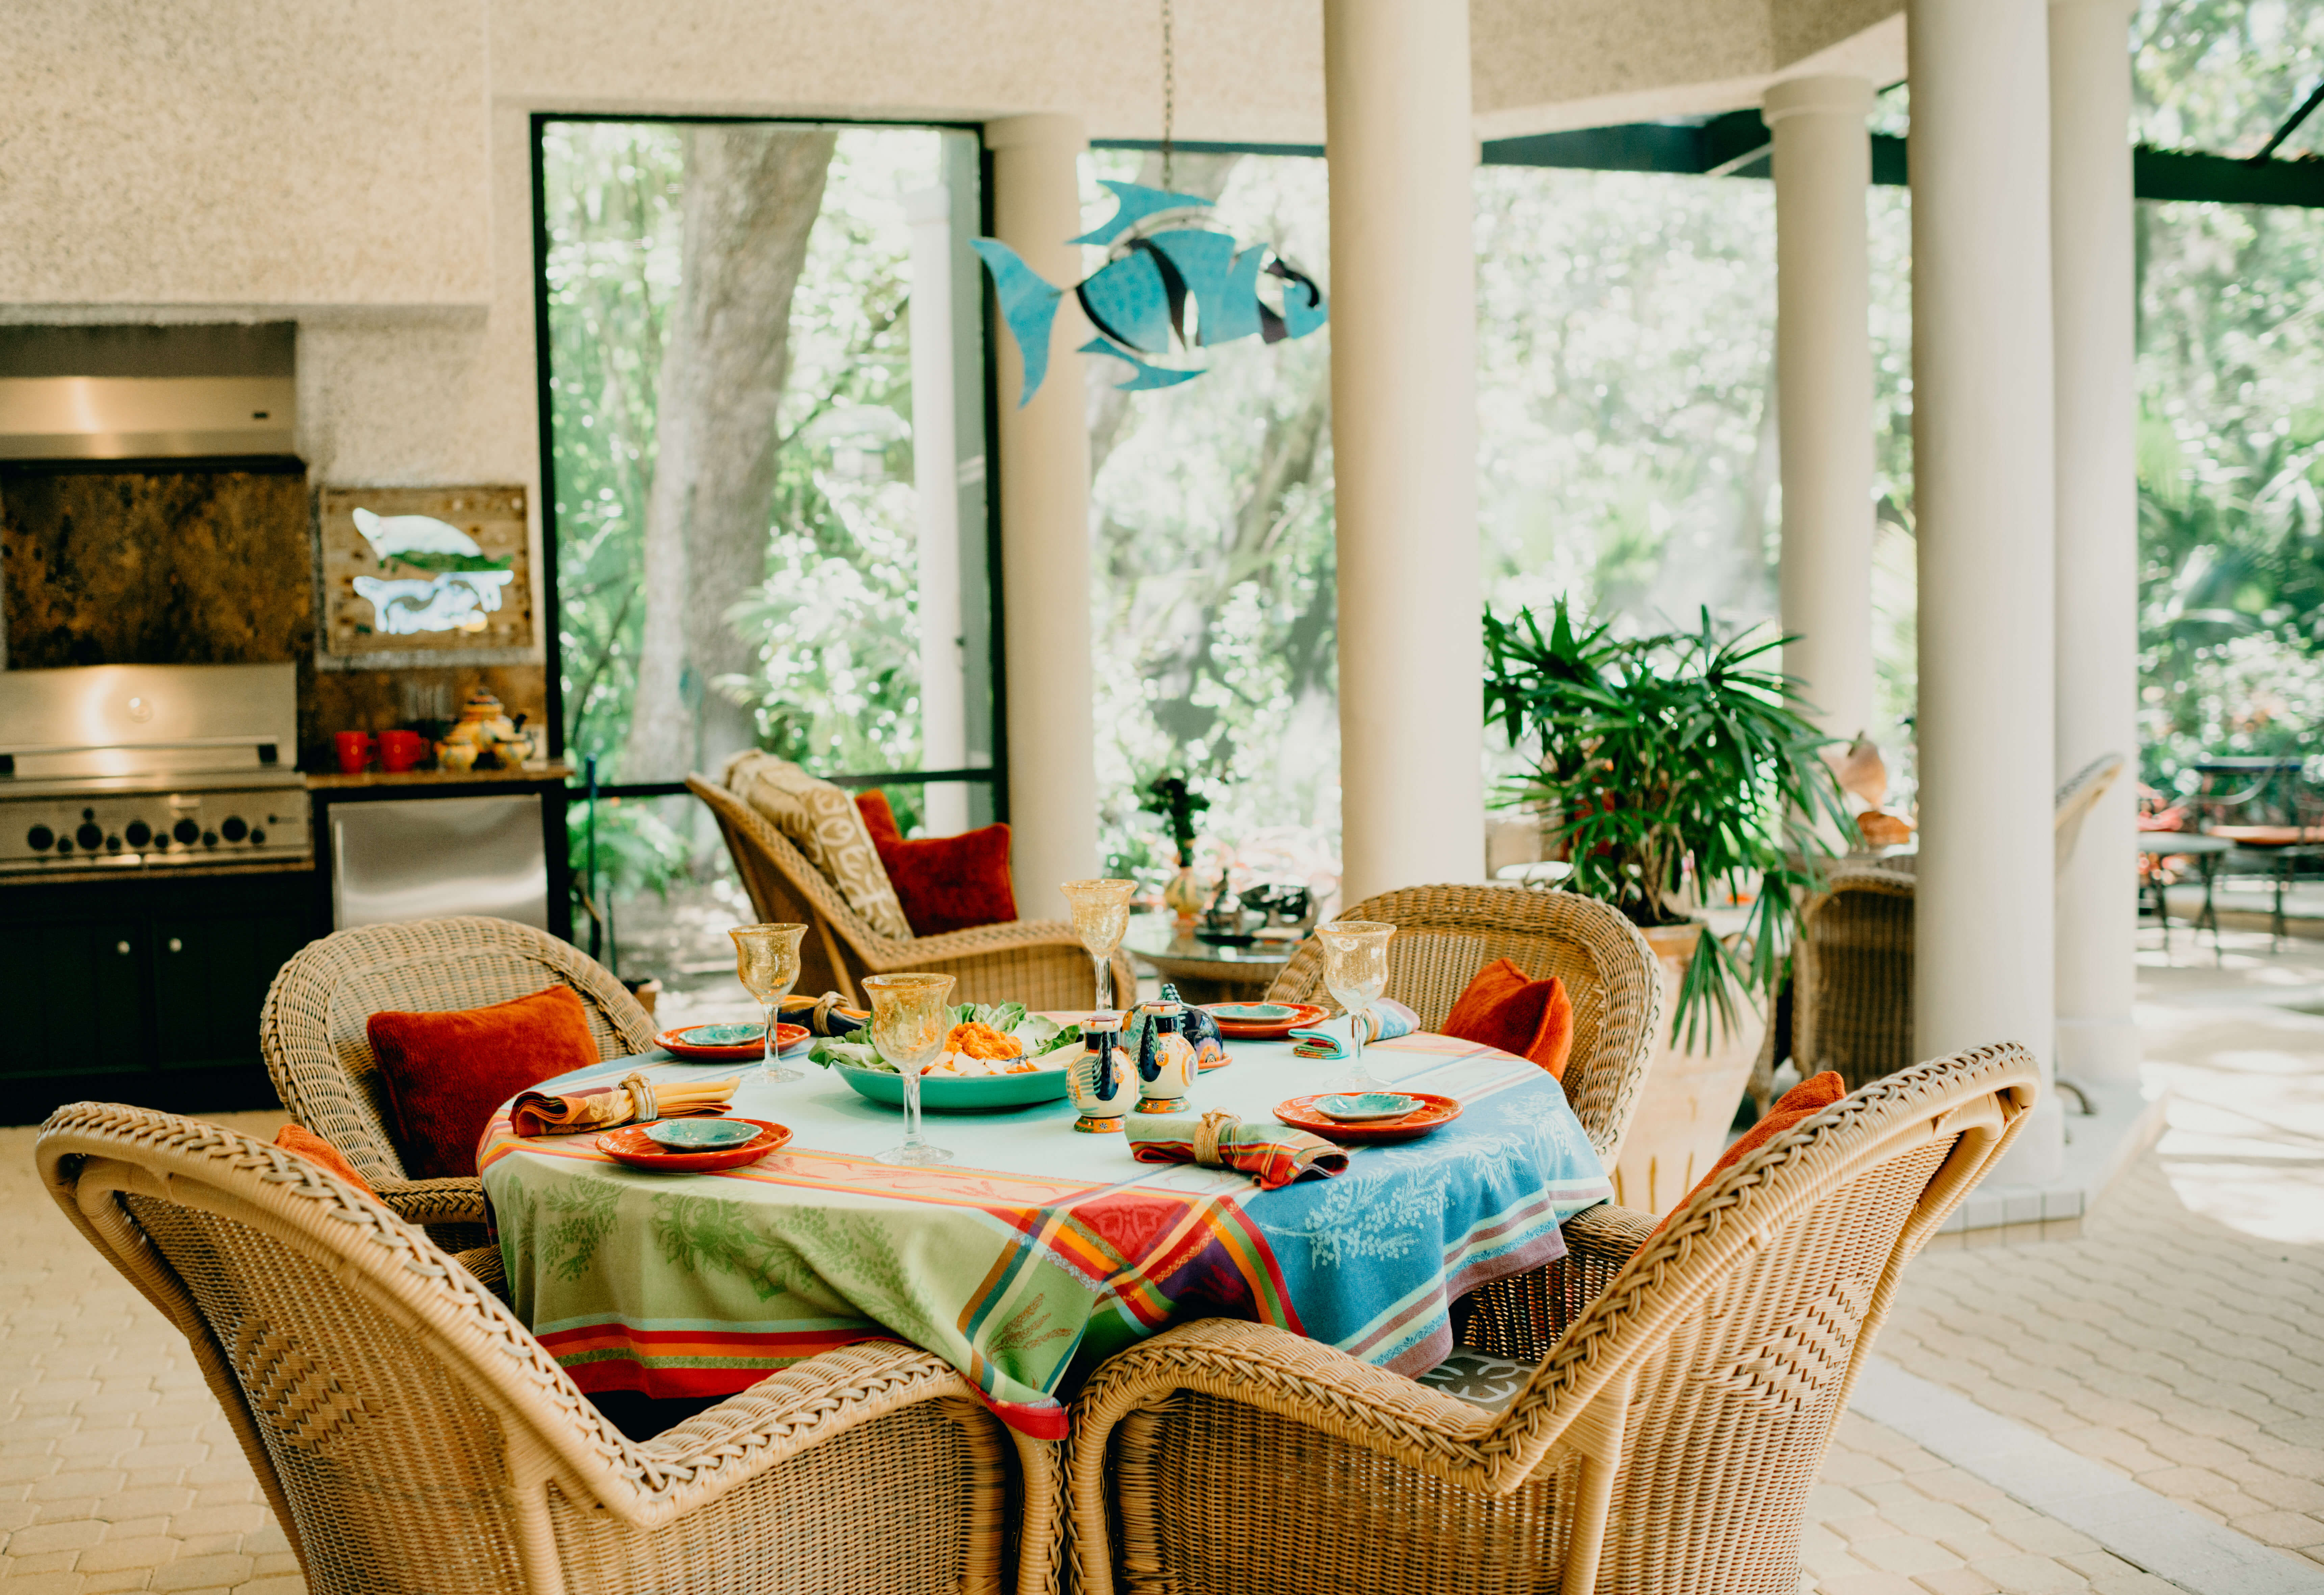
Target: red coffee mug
x,y
355,750
400,750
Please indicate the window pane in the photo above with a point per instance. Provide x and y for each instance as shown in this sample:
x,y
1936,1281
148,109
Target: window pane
x,y
1214,576
766,396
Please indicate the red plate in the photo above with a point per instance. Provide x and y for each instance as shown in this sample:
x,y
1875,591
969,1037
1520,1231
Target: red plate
x,y
672,1042
1300,1114
629,1145
1303,1014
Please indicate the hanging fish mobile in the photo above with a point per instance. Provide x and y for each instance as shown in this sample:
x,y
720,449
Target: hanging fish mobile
x,y
1166,258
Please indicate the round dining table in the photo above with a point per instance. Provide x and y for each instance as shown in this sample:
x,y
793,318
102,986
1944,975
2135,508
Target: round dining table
x,y
1040,1250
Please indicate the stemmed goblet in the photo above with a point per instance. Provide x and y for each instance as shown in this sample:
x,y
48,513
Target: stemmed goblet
x,y
1355,971
909,1020
767,962
1101,914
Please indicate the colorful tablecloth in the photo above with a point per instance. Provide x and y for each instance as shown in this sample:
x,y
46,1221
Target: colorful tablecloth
x,y
1040,1251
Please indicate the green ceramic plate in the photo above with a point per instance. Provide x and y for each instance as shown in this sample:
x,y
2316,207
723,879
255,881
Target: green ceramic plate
x,y
943,1094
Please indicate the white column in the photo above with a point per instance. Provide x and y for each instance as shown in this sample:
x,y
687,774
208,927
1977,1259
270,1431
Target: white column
x,y
1044,536
2090,230
1404,442
935,479
1823,386
1984,481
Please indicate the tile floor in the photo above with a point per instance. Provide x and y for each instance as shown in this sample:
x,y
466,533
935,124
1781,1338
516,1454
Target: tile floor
x,y
2174,1340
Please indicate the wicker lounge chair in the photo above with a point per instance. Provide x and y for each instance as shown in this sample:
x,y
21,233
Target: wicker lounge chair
x,y
1039,962
411,1434
1665,1440
1447,933
311,1032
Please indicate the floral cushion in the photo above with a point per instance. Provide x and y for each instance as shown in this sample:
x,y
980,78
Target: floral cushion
x,y
822,821
1480,1381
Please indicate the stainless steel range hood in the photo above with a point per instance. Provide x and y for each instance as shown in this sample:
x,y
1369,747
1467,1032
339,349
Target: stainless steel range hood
x,y
147,393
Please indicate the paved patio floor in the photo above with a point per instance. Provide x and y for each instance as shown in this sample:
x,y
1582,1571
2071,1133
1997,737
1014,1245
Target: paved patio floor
x,y
2176,1342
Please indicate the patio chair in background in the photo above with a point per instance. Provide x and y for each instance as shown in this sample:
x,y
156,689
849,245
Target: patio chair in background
x,y
402,1419
1446,934
1665,1439
1039,962
312,1034
1850,997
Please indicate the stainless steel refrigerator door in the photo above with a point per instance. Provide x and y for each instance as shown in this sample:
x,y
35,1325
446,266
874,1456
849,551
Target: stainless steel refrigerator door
x,y
430,856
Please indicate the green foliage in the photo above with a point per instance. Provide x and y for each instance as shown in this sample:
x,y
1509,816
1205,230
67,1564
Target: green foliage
x,y
1665,756
837,624
1170,797
637,850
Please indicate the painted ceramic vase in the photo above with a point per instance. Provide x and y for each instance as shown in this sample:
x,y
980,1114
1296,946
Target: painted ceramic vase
x,y
1166,1064
1099,1080
1183,898
1201,1031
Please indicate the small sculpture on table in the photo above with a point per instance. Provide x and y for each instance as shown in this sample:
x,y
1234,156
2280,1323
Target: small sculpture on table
x,y
1099,1080
1166,1063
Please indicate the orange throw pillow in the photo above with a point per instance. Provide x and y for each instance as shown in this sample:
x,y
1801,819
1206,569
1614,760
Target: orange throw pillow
x,y
1503,1008
944,882
301,1142
446,1072
1804,1101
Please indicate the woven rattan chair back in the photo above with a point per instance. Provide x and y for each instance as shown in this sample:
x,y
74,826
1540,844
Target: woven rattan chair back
x,y
1037,963
312,1029
1852,1002
1446,934
411,1434
1666,1444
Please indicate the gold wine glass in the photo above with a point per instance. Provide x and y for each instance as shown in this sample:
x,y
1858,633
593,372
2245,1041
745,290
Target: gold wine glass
x,y
1355,971
910,1016
1101,914
767,962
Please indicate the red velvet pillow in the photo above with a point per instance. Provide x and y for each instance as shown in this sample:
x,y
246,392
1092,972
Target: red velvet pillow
x,y
1503,1007
1804,1101
944,882
447,1072
301,1142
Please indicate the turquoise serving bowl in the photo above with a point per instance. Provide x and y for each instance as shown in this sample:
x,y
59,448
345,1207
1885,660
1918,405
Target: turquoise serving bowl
x,y
958,1093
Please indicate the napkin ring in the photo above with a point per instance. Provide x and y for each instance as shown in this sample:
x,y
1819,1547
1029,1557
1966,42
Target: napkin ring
x,y
643,1108
1214,1125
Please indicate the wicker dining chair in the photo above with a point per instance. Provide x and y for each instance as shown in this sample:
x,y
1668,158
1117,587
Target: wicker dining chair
x,y
1664,1442
411,1434
312,1033
1446,934
1039,962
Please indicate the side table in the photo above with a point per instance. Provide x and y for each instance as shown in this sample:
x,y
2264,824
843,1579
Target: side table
x,y
1201,971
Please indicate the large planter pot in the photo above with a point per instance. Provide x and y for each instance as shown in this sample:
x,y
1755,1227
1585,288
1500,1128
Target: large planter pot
x,y
1681,1126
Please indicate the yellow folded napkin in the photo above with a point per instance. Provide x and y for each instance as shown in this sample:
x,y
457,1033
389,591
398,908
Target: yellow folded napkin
x,y
636,1098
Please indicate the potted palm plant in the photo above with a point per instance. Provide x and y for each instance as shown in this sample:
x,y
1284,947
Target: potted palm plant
x,y
1669,765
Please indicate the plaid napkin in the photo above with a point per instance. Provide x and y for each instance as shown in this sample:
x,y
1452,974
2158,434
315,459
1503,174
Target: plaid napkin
x,y
1272,1154
635,1098
1387,1020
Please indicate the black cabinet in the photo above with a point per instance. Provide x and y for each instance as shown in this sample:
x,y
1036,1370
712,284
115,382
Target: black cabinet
x,y
145,991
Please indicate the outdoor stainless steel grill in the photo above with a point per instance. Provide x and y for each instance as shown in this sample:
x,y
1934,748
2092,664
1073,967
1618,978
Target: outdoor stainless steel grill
x,y
151,767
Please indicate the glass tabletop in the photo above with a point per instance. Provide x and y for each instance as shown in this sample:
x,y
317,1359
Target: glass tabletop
x,y
1156,936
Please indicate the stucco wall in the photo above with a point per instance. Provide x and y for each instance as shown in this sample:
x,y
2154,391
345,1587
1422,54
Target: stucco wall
x,y
362,165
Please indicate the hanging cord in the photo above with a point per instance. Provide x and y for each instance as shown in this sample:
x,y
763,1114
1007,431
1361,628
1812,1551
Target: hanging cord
x,y
1169,91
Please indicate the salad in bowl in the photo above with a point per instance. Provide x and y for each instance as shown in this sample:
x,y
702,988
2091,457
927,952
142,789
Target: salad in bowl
x,y
996,1055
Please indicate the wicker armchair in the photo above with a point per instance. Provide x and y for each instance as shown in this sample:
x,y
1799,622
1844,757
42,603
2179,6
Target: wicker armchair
x,y
1039,962
1665,1440
311,1032
1447,933
410,1433
1852,981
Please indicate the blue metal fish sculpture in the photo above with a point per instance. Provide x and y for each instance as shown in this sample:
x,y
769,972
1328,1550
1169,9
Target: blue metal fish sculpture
x,y
1167,256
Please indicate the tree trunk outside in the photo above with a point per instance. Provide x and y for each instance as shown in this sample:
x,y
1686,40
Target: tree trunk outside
x,y
752,193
